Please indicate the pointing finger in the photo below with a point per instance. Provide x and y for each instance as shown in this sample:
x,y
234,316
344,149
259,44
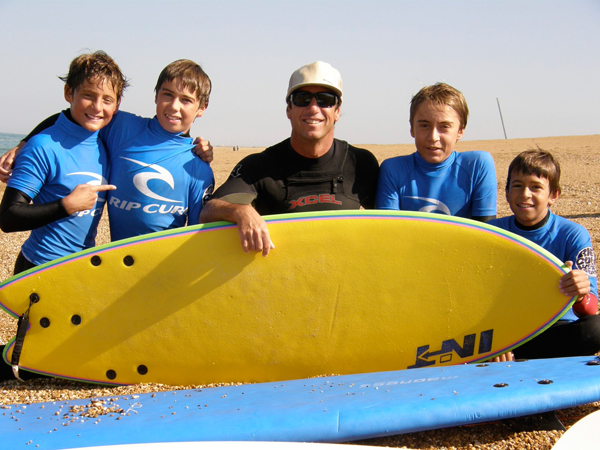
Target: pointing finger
x,y
105,187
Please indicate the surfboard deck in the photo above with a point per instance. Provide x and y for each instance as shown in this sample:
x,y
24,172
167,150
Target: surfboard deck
x,y
342,293
331,409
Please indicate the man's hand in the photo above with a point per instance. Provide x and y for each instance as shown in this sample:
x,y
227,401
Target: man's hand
x,y
252,228
203,150
7,161
253,231
576,282
84,197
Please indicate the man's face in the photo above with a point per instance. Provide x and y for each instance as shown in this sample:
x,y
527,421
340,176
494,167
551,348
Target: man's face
x,y
436,129
313,123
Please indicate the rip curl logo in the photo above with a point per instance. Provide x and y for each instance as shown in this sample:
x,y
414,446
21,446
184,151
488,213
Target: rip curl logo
x,y
587,262
140,181
437,205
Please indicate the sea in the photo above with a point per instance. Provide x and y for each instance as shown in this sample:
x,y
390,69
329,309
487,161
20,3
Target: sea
x,y
8,141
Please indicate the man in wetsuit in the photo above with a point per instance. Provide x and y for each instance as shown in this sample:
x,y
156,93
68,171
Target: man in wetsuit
x,y
310,171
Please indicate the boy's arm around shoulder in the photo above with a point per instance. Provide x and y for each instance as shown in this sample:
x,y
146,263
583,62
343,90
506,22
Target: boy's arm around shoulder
x,y
7,160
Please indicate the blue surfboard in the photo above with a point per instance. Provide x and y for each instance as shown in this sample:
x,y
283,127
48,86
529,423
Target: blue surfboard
x,y
328,409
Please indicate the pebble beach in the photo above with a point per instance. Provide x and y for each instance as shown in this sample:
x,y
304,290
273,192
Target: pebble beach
x,y
579,157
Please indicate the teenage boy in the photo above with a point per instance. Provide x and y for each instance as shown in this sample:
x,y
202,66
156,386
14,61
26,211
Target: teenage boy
x,y
64,170
310,171
436,178
161,184
532,187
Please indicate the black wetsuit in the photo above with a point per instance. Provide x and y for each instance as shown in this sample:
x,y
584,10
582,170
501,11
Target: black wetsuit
x,y
279,180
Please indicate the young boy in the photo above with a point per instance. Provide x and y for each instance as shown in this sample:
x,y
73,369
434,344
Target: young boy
x,y
532,187
64,170
161,184
436,178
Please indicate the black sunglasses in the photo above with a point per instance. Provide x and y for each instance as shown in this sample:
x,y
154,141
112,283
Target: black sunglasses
x,y
324,99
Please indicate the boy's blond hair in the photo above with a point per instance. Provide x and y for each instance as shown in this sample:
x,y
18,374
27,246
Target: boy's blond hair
x,y
537,162
441,94
93,67
192,77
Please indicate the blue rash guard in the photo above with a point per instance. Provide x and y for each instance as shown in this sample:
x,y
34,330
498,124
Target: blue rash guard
x,y
160,183
47,169
566,240
463,185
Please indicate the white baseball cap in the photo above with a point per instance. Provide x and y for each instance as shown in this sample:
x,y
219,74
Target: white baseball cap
x,y
318,73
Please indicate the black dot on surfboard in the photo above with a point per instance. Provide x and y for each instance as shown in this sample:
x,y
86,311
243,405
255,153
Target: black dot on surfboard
x,y
76,319
34,298
545,382
96,260
111,374
44,322
593,362
482,365
501,385
128,260
142,370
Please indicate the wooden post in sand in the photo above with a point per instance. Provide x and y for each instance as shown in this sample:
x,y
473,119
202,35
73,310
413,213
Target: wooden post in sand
x,y
501,119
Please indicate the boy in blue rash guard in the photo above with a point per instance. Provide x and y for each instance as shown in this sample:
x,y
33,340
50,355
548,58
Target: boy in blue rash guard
x,y
161,184
436,178
64,170
533,186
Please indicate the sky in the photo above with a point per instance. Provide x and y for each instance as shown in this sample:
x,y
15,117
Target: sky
x,y
540,59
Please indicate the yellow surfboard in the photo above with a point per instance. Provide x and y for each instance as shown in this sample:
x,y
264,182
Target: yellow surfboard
x,y
343,292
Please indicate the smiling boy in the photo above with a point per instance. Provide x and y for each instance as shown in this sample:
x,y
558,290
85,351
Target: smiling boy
x,y
58,188
161,184
532,187
435,178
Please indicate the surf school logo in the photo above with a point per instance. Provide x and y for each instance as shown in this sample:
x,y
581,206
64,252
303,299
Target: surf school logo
x,y
425,357
436,206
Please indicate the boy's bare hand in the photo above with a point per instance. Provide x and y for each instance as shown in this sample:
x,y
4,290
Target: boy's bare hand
x,y
576,282
6,162
84,197
203,149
